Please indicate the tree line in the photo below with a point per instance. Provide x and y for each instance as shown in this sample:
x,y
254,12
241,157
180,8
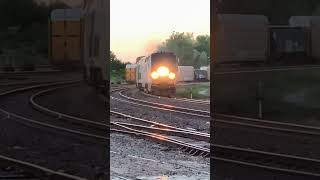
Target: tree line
x,y
24,13
191,51
30,20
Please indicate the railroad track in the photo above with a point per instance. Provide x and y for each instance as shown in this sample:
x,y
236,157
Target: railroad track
x,y
192,149
19,169
166,107
94,132
155,127
224,118
271,161
133,128
28,83
281,163
24,73
196,101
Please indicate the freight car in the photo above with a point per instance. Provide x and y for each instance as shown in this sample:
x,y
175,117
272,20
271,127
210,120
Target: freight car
x,y
130,76
251,39
65,37
185,73
289,44
315,37
312,25
156,74
241,38
96,18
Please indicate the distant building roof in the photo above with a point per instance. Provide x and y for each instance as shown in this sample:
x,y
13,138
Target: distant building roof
x,y
66,14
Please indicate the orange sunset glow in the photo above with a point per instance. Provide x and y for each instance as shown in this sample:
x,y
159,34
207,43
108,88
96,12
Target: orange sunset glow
x,y
138,27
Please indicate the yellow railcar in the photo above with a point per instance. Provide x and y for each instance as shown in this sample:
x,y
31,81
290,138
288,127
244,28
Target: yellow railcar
x,y
130,75
65,37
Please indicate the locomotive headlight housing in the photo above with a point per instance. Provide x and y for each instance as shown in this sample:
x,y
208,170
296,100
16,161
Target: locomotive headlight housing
x,y
172,75
163,71
154,75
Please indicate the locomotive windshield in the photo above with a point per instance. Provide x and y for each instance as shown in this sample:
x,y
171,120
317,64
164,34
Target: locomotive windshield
x,y
164,59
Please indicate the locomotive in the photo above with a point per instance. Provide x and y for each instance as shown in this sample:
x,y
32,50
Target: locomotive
x,y
156,74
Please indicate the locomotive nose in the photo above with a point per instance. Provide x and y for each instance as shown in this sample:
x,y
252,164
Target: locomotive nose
x,y
163,72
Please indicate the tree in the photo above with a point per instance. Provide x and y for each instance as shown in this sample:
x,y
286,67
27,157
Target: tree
x,y
115,63
182,45
203,43
191,52
25,12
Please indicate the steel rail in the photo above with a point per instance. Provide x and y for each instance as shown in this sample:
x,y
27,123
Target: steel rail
x,y
227,119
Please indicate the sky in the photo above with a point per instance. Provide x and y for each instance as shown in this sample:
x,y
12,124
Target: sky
x,y
137,27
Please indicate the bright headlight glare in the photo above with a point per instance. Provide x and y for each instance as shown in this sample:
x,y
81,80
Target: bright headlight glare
x,y
172,75
154,75
163,71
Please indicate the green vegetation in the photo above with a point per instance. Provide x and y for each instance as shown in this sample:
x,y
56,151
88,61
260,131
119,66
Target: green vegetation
x,y
117,69
24,32
287,95
117,76
190,51
197,91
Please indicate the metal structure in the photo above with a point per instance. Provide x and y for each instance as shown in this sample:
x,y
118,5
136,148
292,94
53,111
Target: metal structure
x,y
186,73
241,38
156,73
96,18
65,37
131,73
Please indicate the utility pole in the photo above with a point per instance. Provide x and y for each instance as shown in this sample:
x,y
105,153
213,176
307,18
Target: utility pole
x,y
260,98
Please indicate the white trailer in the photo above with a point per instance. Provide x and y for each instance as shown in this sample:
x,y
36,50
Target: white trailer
x,y
185,73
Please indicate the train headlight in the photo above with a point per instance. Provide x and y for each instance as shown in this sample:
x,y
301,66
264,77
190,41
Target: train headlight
x,y
154,75
172,75
163,71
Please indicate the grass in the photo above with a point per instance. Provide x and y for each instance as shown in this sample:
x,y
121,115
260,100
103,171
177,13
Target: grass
x,y
286,95
198,91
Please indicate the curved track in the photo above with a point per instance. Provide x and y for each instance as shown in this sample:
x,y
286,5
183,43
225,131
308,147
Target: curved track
x,y
224,118
26,170
59,125
134,128
281,163
188,100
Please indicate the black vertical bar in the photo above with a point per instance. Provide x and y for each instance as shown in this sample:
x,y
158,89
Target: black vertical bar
x,y
50,40
213,55
65,40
